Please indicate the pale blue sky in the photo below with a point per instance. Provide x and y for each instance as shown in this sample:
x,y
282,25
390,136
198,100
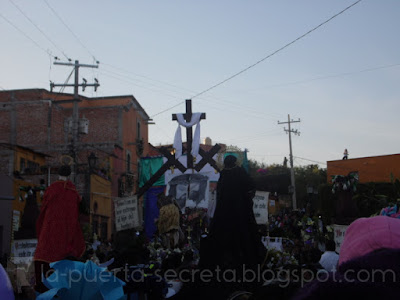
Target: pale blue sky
x,y
342,80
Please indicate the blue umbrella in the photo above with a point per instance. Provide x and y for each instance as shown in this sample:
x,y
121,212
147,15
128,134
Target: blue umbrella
x,y
86,281
6,289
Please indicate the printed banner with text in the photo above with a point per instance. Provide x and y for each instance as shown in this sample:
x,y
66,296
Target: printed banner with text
x,y
260,207
126,213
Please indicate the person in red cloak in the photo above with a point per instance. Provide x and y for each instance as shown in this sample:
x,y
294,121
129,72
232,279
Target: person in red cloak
x,y
58,229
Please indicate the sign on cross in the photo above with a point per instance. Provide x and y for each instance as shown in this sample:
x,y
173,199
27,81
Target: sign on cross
x,y
189,133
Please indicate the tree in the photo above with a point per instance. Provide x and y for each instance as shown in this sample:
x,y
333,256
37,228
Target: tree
x,y
308,180
276,178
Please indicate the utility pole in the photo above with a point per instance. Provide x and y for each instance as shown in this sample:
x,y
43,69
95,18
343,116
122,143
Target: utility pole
x,y
75,110
290,131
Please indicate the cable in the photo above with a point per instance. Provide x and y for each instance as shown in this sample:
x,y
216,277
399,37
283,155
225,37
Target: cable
x,y
69,29
214,99
37,27
165,110
318,162
272,132
135,84
276,51
172,96
334,75
148,78
27,36
263,59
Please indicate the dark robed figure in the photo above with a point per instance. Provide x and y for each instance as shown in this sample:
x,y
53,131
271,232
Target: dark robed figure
x,y
233,239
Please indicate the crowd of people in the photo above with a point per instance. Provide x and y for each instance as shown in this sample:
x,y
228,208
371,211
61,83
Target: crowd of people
x,y
228,257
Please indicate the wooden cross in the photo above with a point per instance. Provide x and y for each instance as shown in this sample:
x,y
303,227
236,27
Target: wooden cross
x,y
189,134
171,162
207,157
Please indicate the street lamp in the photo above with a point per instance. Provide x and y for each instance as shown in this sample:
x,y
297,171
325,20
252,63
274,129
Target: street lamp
x,y
92,160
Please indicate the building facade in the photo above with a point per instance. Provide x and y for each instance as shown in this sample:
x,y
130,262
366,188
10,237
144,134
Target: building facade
x,y
21,189
103,145
370,169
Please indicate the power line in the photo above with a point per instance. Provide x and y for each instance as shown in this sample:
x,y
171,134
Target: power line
x,y
148,78
129,80
165,110
214,99
334,75
27,36
69,29
276,51
318,162
37,27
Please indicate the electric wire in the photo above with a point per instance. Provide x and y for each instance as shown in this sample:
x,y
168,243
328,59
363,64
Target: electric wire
x,y
138,85
69,29
333,76
276,51
265,58
318,162
219,101
38,28
146,77
180,91
27,36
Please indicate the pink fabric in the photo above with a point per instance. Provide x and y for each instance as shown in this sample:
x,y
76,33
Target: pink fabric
x,y
366,235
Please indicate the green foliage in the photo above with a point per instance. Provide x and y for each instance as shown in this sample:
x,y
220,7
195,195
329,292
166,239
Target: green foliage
x,y
276,178
305,176
372,197
326,203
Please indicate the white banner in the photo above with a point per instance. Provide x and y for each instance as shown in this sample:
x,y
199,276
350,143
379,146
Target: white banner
x,y
260,207
189,190
126,213
339,232
22,251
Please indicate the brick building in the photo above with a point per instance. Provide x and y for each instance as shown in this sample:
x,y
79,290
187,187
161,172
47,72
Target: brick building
x,y
370,169
113,131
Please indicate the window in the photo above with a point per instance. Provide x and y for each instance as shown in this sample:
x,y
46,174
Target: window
x,y
128,163
33,168
22,165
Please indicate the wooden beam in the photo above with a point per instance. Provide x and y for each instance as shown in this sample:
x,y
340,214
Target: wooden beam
x,y
207,157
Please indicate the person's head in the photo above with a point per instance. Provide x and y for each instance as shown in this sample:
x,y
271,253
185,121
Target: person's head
x,y
230,161
314,255
366,235
330,245
64,171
